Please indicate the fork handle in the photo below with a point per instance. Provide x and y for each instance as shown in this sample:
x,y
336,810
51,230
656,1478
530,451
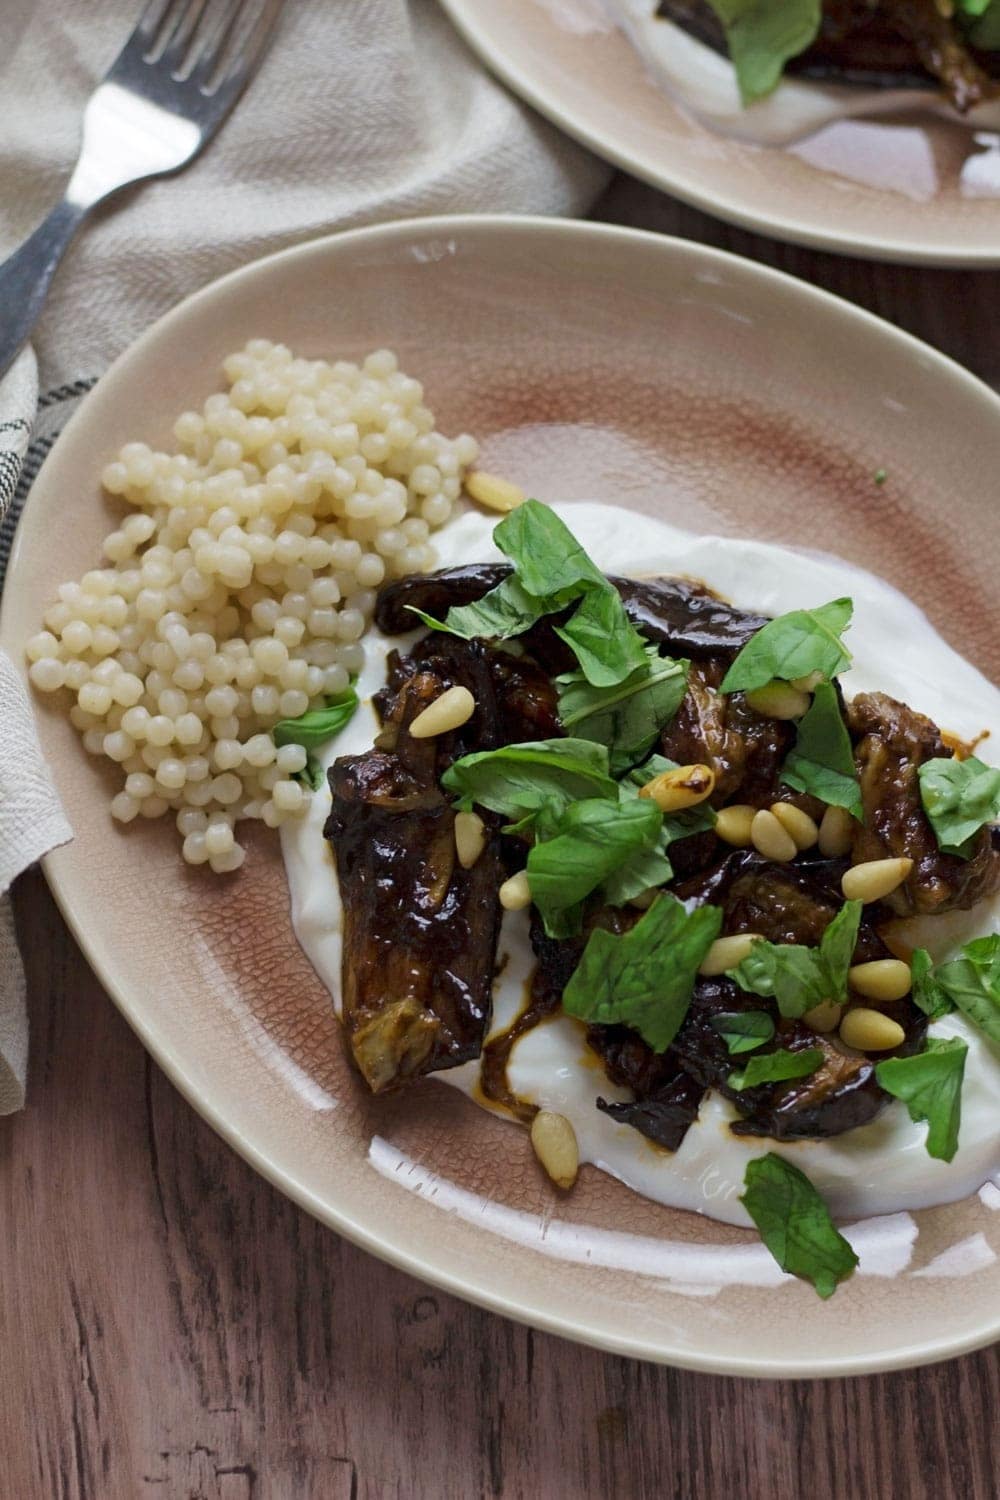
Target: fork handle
x,y
25,276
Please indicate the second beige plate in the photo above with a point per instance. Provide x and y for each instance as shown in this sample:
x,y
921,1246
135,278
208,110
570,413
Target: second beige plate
x,y
592,362
913,189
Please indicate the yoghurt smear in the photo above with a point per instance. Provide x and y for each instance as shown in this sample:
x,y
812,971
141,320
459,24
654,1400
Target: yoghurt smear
x,y
879,1168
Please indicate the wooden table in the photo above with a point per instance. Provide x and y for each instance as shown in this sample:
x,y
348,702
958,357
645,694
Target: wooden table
x,y
266,1359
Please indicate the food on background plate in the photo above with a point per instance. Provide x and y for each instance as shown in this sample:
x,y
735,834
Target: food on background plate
x,y
713,880
776,70
219,643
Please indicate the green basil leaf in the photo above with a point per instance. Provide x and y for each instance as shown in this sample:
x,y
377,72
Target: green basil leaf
x,y
984,32
603,638
775,1067
972,983
551,570
645,870
798,977
926,992
317,725
628,716
594,839
822,762
550,562
795,1223
743,1030
762,35
505,611
793,645
959,797
312,774
930,1085
644,978
521,781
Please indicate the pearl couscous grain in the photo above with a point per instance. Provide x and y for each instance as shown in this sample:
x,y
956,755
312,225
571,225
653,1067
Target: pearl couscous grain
x,y
238,589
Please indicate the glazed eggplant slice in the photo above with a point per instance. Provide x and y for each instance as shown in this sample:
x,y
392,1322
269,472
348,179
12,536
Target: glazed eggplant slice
x,y
721,730
892,742
685,617
420,932
665,1099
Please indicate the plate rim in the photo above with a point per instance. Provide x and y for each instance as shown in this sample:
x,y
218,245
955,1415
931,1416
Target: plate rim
x,y
914,1353
463,16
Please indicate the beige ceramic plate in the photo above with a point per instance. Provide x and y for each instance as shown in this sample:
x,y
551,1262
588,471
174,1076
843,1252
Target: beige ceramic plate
x,y
592,361
912,189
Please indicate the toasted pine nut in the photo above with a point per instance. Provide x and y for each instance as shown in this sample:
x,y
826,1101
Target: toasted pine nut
x,y
870,1031
771,839
470,838
836,833
809,683
732,823
492,491
874,878
554,1142
796,822
778,700
726,952
824,1017
883,979
515,893
454,708
685,786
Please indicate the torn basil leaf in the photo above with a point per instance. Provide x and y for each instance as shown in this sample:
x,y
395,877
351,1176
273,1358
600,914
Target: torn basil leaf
x,y
972,983
538,776
762,36
594,839
644,978
551,571
822,761
925,990
795,1223
775,1067
793,645
743,1030
317,725
505,611
930,1085
959,797
628,716
798,977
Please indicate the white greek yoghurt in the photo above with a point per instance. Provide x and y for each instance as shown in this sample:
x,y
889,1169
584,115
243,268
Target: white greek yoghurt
x,y
880,1168
705,82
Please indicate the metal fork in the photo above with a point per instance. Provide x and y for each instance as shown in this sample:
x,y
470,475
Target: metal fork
x,y
168,91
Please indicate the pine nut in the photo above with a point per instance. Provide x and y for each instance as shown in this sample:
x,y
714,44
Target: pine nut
x,y
836,833
809,683
883,979
778,700
874,879
726,952
454,708
732,824
515,893
554,1142
797,823
492,491
824,1017
770,839
870,1031
470,838
685,786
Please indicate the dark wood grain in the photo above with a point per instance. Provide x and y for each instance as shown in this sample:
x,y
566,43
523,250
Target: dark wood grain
x,y
171,1326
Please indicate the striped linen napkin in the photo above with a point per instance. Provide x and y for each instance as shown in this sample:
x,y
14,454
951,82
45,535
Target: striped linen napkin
x,y
360,113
